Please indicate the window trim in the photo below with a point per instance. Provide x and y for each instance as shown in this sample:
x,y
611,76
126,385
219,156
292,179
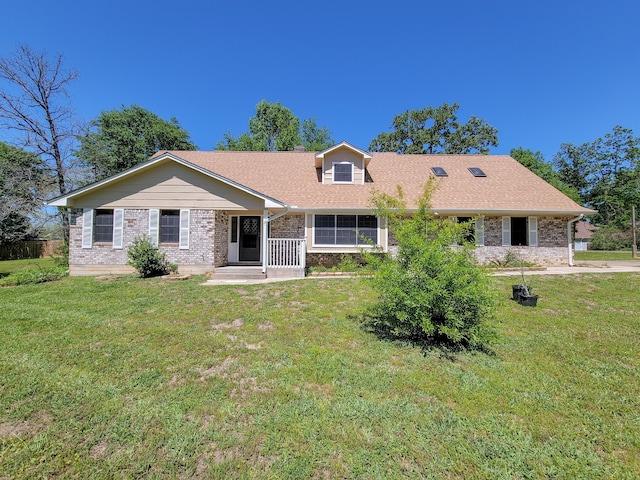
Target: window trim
x,y
333,172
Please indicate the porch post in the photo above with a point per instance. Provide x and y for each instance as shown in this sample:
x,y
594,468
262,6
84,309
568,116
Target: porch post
x,y
265,239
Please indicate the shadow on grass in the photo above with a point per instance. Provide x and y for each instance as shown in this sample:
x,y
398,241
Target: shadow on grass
x,y
417,339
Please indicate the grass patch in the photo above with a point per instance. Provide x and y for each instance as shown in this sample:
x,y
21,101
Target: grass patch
x,y
601,255
7,267
145,378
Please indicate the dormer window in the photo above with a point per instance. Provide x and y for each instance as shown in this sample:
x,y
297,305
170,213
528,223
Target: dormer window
x,y
342,172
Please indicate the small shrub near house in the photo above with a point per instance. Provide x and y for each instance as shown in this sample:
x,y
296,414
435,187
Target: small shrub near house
x,y
148,260
432,291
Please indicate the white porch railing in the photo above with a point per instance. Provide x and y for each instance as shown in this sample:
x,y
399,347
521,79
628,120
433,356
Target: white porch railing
x,y
286,253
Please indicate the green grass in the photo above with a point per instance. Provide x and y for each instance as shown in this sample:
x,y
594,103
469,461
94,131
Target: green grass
x,y
7,267
603,255
133,378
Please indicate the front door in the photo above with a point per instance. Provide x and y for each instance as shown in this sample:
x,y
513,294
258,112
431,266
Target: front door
x,y
249,239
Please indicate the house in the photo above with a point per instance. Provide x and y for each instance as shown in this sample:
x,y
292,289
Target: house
x,y
583,233
285,210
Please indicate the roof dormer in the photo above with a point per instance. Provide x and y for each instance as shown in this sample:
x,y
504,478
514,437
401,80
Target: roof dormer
x,y
343,164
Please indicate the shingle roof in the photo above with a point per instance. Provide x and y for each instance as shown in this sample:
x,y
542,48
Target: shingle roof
x,y
291,177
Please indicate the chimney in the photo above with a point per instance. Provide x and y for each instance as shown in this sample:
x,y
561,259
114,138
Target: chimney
x,y
298,148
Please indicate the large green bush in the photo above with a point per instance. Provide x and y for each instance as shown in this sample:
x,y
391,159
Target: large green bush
x,y
147,259
611,238
432,290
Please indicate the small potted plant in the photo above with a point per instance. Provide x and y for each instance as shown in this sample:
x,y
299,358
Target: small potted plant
x,y
522,293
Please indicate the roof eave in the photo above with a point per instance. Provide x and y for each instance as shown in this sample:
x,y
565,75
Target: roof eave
x,y
63,200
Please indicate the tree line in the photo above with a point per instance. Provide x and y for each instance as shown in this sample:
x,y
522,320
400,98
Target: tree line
x,y
50,152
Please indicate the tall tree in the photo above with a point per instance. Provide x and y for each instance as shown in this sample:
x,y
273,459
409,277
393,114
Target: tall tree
x,y
275,128
121,139
436,130
606,172
35,106
23,185
535,162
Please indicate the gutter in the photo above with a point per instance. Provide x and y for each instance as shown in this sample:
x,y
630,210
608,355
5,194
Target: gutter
x,y
569,243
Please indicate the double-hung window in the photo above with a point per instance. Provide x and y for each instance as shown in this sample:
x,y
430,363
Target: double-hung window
x,y
343,172
351,230
169,226
103,226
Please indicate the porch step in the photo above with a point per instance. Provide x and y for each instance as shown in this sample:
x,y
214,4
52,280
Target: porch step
x,y
238,273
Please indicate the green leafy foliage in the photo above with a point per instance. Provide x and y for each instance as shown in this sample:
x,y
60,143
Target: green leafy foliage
x,y
535,162
606,173
121,139
147,259
35,275
612,238
432,291
275,128
23,184
436,130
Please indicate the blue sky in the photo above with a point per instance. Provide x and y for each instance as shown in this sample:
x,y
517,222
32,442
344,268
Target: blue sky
x,y
543,72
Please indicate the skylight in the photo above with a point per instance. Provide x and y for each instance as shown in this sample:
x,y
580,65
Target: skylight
x,y
477,172
439,172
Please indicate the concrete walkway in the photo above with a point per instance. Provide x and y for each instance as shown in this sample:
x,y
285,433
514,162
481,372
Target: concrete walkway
x,y
614,266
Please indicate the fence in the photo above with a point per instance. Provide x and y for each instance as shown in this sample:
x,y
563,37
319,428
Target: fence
x,y
29,249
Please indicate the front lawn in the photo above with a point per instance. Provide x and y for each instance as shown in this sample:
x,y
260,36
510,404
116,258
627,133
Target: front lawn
x,y
133,378
603,255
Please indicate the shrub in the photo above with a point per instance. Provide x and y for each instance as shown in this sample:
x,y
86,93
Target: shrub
x,y
35,275
433,291
611,238
147,259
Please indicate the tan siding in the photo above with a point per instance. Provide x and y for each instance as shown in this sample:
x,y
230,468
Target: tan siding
x,y
343,156
170,185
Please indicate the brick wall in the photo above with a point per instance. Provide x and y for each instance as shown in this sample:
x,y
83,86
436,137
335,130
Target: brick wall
x,y
103,258
221,239
551,249
288,226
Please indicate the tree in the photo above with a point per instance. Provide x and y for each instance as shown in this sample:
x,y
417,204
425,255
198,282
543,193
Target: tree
x,y
315,138
35,106
430,292
23,184
606,173
436,130
121,139
275,128
535,162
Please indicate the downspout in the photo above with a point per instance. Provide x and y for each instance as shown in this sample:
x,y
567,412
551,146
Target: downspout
x,y
569,232
265,233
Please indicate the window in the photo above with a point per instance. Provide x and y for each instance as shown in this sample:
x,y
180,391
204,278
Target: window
x,y
477,172
439,172
103,226
469,234
520,231
345,229
234,229
343,173
170,226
